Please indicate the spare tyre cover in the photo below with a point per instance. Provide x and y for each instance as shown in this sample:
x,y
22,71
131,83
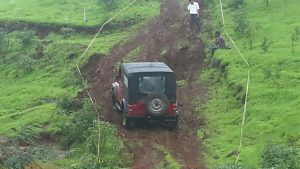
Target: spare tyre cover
x,y
156,104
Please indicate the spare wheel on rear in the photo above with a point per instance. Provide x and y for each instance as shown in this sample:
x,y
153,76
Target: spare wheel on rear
x,y
156,104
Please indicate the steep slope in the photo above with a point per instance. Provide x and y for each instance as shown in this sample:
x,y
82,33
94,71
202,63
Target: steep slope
x,y
167,39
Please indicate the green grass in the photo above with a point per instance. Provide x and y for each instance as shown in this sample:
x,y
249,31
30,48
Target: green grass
x,y
71,12
168,161
274,97
31,86
28,97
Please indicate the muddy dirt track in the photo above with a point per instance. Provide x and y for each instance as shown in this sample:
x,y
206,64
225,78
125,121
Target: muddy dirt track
x,y
167,38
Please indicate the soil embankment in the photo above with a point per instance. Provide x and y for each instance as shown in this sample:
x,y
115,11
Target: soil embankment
x,y
167,38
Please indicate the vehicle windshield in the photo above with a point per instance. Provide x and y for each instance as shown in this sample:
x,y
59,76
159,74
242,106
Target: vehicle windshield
x,y
150,84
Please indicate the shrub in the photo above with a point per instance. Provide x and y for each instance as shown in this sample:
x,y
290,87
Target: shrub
x,y
76,131
280,156
66,32
235,166
68,105
265,45
4,43
27,37
18,157
110,145
236,3
241,25
26,63
295,37
110,4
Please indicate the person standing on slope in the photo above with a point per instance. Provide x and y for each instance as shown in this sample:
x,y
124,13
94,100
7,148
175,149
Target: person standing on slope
x,y
194,8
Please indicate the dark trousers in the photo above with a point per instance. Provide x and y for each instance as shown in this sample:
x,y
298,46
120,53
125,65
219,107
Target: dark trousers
x,y
195,21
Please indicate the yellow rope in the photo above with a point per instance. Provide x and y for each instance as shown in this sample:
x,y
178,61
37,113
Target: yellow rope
x,y
80,73
247,86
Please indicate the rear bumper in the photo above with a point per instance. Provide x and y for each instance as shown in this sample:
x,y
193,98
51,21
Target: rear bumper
x,y
149,118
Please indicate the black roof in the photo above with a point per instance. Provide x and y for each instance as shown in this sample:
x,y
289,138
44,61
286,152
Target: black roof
x,y
138,67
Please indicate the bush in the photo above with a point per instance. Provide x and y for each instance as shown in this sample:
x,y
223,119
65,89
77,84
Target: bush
x,y
236,3
26,63
19,157
234,166
77,130
110,4
27,38
265,45
67,105
280,156
66,32
241,25
110,145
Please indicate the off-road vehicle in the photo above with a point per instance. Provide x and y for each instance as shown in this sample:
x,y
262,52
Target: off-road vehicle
x,y
146,91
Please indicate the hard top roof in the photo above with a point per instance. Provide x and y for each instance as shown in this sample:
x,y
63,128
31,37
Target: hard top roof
x,y
139,67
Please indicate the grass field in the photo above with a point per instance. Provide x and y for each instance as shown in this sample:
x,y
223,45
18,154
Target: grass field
x,y
30,96
71,12
274,92
32,84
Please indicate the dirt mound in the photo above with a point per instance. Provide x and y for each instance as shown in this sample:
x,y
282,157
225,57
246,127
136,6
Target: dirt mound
x,y
167,38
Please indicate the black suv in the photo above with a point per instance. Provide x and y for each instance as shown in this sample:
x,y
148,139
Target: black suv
x,y
146,90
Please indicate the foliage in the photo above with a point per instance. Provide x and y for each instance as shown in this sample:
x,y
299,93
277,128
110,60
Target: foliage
x,y
233,166
110,147
67,105
168,161
295,37
26,38
236,3
4,43
102,149
110,4
66,32
274,95
280,156
265,45
241,24
17,157
76,131
267,3
26,63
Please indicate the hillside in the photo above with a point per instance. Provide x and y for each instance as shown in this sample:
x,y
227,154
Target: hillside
x,y
39,83
268,37
48,119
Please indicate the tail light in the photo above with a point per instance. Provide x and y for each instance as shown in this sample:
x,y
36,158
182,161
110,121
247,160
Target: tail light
x,y
174,106
130,108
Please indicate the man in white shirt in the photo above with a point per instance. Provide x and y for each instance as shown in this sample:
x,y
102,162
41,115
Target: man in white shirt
x,y
194,8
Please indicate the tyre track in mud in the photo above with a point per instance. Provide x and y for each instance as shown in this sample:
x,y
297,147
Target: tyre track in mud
x,y
158,41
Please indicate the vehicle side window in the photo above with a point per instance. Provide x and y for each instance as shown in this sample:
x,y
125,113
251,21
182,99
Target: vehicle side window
x,y
125,81
149,84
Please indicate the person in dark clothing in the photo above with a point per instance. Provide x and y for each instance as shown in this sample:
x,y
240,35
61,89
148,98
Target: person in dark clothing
x,y
194,8
219,43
